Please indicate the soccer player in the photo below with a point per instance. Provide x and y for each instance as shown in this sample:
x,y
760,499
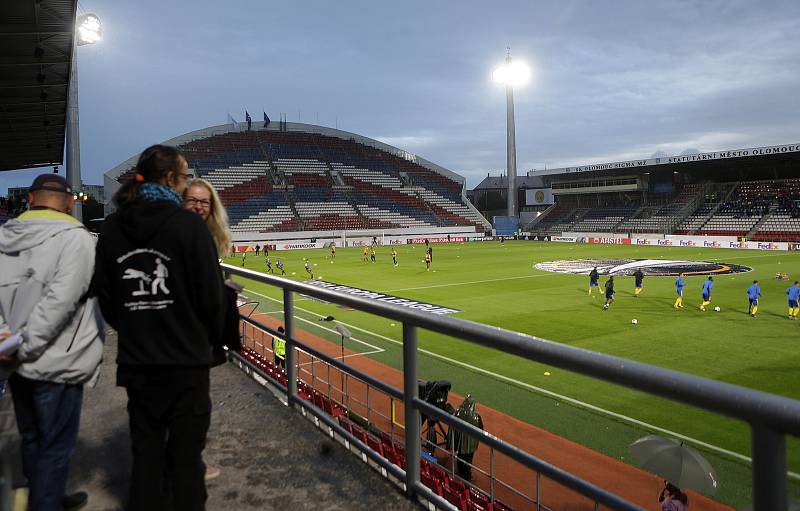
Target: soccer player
x,y
639,276
279,264
707,285
753,292
430,252
268,262
333,251
794,298
309,270
679,285
427,261
594,280
609,292
244,257
394,256
366,253
372,254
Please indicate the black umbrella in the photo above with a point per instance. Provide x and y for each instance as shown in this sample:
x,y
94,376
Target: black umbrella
x,y
679,464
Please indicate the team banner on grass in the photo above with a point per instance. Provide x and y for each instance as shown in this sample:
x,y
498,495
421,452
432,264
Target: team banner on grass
x,y
373,295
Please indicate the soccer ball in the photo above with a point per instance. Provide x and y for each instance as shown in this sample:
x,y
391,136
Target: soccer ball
x,y
634,322
717,309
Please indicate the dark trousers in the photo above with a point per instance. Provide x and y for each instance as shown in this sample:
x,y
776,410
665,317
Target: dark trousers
x,y
462,468
169,412
48,417
280,361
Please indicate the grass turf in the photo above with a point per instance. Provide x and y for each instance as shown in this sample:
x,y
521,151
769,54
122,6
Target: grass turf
x,y
496,284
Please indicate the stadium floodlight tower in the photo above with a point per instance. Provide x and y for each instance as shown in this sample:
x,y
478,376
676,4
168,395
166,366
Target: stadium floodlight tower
x,y
88,30
511,73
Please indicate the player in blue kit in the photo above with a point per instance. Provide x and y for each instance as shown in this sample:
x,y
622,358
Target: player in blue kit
x,y
679,285
793,292
707,285
753,292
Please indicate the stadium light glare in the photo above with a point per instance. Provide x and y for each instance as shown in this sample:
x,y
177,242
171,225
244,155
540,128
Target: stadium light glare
x,y
88,29
511,74
514,73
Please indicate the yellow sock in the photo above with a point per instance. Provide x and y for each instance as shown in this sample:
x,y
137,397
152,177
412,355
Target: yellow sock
x,y
796,310
677,301
755,309
637,290
590,290
705,303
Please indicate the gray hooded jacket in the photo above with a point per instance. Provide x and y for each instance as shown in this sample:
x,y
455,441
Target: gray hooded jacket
x,y
46,266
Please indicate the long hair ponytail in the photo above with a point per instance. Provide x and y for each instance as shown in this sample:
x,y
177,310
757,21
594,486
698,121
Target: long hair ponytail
x,y
155,163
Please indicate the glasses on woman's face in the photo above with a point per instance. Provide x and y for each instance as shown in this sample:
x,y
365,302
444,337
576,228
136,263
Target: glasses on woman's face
x,y
194,201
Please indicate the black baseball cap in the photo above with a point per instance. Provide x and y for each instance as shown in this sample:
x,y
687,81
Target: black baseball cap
x,y
51,182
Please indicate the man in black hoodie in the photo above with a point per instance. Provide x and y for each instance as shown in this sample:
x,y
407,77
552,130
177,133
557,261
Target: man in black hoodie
x,y
159,285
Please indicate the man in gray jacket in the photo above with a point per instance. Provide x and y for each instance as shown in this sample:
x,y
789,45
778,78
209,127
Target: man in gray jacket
x,y
47,260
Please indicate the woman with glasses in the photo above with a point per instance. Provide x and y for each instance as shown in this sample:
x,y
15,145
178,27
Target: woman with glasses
x,y
201,198
167,332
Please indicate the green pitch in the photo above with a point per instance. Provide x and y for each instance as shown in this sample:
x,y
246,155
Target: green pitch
x,y
497,284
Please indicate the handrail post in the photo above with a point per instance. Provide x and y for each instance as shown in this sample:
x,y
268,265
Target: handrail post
x,y
291,356
412,418
769,469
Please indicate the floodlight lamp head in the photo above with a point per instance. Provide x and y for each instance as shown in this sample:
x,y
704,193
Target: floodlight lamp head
x,y
88,29
512,73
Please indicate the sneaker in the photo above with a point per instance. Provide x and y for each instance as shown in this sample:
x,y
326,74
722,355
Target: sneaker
x,y
702,308
75,501
212,472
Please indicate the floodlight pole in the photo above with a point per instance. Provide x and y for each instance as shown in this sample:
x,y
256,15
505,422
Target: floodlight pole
x,y
73,135
511,147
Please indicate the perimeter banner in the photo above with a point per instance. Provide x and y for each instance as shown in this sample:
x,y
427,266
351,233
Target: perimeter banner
x,y
372,295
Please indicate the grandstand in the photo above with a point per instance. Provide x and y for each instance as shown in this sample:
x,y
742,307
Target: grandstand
x,y
753,193
291,177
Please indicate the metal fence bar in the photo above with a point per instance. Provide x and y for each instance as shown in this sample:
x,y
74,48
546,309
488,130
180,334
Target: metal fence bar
x,y
291,355
771,416
410,391
769,468
750,405
558,475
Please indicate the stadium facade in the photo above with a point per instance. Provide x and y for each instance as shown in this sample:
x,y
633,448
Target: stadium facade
x,y
292,181
751,193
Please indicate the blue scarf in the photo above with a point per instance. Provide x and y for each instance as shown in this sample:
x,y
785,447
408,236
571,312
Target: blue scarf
x,y
151,192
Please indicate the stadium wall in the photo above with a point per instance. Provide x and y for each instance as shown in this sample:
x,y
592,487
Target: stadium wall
x,y
671,240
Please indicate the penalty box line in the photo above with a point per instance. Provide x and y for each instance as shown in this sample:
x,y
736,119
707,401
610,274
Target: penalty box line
x,y
555,395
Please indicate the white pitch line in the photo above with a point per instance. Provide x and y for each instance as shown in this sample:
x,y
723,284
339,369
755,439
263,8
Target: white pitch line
x,y
555,395
468,283
378,348
348,356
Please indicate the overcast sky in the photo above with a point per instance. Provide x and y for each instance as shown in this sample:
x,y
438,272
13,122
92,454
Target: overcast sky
x,y
612,80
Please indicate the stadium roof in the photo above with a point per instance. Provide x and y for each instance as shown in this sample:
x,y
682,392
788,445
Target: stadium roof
x,y
679,159
36,38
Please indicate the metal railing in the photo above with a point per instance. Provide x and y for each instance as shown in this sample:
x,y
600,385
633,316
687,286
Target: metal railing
x,y
770,417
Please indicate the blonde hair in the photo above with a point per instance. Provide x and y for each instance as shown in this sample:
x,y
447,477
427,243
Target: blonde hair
x,y
217,221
